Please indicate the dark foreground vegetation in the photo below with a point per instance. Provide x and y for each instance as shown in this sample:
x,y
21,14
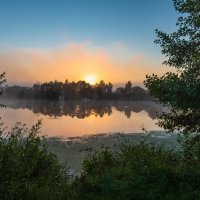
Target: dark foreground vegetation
x,y
56,90
145,171
27,169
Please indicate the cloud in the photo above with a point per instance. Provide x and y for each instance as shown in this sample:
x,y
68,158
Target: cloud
x,y
73,62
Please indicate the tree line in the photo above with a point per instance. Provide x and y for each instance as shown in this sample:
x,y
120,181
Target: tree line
x,y
56,90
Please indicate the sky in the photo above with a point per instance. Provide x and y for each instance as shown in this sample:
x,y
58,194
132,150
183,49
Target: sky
x,y
113,40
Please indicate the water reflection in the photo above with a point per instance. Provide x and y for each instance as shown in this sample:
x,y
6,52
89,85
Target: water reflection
x,y
78,118
84,109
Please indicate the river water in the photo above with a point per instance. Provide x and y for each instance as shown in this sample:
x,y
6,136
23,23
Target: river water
x,y
79,118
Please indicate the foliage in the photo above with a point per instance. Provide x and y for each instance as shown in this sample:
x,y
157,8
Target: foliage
x,y
2,80
128,86
27,169
180,90
75,91
139,172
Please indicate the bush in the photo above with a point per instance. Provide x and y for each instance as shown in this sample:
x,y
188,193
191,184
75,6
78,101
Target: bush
x,y
138,172
27,169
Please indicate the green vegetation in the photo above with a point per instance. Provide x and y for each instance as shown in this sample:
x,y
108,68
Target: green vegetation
x,y
27,169
180,90
75,91
2,80
140,172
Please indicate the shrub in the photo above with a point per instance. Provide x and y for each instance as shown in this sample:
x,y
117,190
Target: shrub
x,y
141,171
27,169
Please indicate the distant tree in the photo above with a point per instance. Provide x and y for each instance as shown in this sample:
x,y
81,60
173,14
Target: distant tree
x,y
180,90
100,89
55,90
84,90
2,80
109,87
128,86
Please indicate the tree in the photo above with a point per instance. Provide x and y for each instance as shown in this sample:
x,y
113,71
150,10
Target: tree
x,y
180,90
128,86
2,80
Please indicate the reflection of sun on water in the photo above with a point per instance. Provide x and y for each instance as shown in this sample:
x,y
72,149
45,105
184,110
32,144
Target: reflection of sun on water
x,y
91,79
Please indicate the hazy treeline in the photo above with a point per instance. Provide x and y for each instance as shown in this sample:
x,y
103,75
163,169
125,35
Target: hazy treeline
x,y
75,91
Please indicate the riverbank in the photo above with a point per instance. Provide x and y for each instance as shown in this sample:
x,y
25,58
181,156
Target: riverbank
x,y
73,150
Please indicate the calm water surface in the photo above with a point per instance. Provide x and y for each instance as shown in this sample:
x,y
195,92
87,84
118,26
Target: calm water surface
x,y
78,118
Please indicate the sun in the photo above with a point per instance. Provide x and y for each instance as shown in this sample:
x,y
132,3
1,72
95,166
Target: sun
x,y
91,79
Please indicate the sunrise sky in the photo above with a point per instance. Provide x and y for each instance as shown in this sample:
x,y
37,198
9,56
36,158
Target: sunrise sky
x,y
113,40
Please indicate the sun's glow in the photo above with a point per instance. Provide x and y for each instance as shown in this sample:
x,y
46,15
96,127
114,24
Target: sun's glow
x,y
91,79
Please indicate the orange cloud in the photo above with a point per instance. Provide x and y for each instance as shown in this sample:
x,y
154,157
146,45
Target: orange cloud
x,y
73,62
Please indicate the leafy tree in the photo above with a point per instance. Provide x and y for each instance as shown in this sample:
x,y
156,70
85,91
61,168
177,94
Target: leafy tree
x,y
128,86
180,90
2,80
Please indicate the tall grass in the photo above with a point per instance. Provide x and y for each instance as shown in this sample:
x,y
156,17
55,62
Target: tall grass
x,y
141,171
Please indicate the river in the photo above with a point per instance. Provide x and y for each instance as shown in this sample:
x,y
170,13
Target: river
x,y
79,118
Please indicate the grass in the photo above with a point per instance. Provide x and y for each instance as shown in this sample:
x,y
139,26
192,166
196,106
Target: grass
x,y
138,172
28,170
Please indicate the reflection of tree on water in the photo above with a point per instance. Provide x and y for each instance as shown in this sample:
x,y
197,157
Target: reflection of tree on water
x,y
83,109
137,106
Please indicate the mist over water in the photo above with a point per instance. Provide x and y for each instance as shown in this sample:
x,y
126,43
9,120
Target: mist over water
x,y
78,118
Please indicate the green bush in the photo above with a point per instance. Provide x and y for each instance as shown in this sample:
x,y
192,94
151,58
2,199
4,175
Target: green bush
x,y
27,169
138,172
